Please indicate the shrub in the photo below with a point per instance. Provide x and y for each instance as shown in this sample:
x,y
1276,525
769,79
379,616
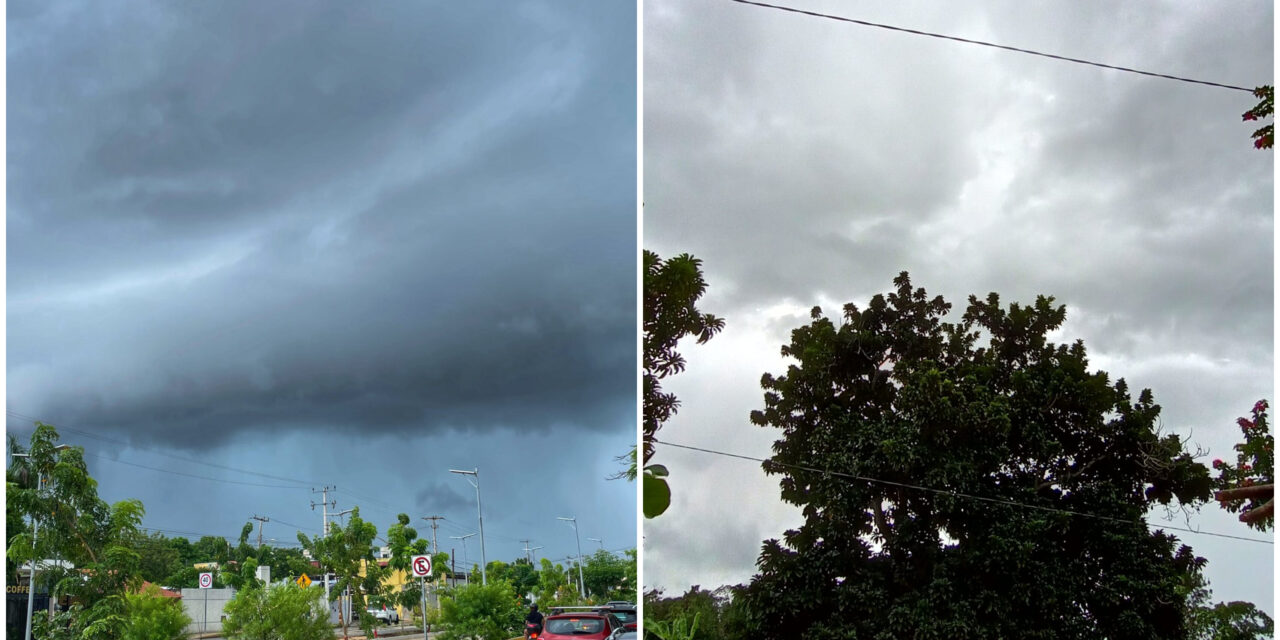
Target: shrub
x,y
280,612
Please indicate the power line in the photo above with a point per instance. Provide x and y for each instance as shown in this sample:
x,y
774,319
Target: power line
x,y
191,475
20,416
956,494
988,44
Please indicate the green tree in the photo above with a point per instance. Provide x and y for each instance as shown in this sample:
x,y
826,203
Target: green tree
x,y
159,559
671,291
211,549
1225,620
152,616
280,612
76,527
1254,467
893,398
346,551
481,612
553,585
405,544
605,576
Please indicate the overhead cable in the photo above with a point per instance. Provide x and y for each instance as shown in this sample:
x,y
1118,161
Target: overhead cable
x,y
990,44
955,494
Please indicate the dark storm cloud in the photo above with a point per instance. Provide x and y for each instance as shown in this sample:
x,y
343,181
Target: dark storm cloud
x,y
439,497
237,216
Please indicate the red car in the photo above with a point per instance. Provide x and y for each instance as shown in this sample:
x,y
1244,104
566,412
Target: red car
x,y
585,625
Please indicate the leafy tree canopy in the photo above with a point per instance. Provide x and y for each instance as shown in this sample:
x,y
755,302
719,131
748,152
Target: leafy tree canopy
x,y
671,291
95,539
483,612
986,407
279,612
346,551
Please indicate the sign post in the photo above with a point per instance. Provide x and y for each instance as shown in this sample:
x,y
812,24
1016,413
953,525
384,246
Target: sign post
x,y
422,569
206,583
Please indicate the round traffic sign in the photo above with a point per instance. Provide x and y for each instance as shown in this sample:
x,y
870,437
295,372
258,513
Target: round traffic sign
x,y
206,580
421,566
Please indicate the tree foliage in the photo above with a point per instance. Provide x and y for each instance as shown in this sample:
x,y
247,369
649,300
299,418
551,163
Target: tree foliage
x,y
606,576
986,407
1264,137
481,612
346,551
671,291
720,614
280,612
154,617
95,539
1255,465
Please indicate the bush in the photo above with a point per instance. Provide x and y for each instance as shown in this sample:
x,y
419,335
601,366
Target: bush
x,y
280,612
151,616
484,612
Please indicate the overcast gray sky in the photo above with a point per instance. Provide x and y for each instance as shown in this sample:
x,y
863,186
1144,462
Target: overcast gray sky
x,y
808,161
340,244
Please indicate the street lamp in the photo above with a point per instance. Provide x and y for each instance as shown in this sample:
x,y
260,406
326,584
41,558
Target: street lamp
x,y
35,529
573,522
484,576
464,555
598,540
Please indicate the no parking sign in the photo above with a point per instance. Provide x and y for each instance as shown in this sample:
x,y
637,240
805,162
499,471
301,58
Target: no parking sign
x,y
421,566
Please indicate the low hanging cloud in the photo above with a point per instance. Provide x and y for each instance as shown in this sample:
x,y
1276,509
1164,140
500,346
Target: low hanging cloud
x,y
236,217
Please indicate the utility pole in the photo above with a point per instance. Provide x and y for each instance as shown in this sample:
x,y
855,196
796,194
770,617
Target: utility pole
x,y
434,550
260,519
434,526
324,531
526,552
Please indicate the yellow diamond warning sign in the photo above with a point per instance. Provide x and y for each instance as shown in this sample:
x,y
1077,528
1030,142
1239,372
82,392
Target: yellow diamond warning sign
x,y
303,581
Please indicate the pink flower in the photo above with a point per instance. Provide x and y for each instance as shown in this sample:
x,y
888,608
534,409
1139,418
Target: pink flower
x,y
1257,143
1250,116
1244,424
1245,467
1260,406
1217,464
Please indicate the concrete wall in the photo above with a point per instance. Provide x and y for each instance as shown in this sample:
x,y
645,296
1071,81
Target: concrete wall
x,y
193,602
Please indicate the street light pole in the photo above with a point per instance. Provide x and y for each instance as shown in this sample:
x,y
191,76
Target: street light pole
x,y
484,576
573,522
598,540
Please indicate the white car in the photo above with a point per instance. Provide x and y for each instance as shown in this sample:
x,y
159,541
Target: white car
x,y
387,616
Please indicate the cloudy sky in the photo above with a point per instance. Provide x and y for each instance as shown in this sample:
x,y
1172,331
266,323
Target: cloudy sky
x,y
808,161
336,245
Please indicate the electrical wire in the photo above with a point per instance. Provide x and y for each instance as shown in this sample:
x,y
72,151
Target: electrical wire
x,y
988,44
190,475
20,416
955,494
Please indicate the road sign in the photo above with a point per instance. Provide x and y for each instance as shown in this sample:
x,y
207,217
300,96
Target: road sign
x,y
422,566
206,580
304,581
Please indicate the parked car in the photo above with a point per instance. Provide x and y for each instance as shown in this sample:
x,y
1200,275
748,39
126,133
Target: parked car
x,y
385,616
625,611
580,625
